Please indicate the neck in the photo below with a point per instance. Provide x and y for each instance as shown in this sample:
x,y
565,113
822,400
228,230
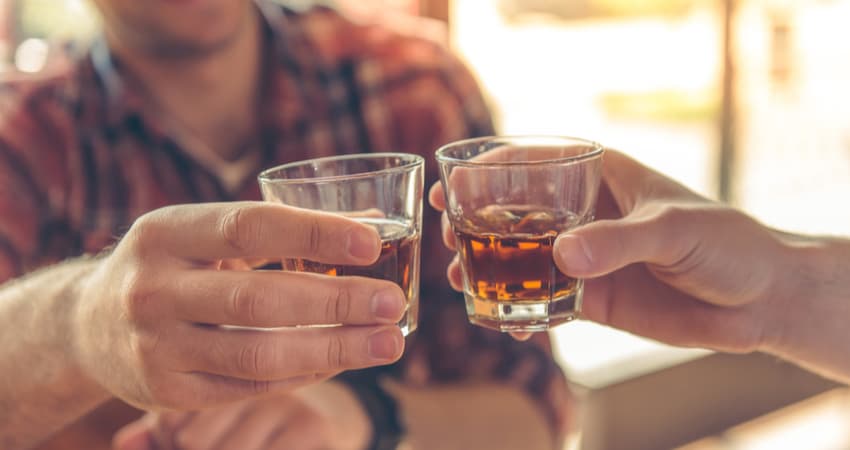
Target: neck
x,y
213,97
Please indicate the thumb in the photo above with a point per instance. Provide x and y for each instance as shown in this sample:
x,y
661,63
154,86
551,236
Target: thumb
x,y
602,247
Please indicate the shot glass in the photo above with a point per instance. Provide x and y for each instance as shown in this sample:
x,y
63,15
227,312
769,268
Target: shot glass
x,y
383,190
508,199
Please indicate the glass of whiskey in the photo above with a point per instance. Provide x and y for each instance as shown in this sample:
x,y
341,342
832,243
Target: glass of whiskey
x,y
383,190
507,200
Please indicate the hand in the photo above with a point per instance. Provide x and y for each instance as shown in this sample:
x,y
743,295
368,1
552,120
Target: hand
x,y
666,263
326,416
161,324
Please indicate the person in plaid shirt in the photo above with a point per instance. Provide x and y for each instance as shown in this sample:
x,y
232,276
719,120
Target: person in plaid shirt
x,y
128,214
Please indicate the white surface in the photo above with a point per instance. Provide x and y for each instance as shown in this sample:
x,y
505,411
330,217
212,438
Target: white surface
x,y
595,356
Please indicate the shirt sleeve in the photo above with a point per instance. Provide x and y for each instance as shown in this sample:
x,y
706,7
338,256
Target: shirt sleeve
x,y
18,207
32,177
435,105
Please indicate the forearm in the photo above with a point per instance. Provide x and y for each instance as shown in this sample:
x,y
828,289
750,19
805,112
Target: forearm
x,y
480,415
41,388
810,317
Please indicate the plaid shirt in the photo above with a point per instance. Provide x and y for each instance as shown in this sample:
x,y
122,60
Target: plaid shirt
x,y
81,158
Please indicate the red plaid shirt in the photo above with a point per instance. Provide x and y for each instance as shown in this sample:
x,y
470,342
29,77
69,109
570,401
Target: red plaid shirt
x,y
81,158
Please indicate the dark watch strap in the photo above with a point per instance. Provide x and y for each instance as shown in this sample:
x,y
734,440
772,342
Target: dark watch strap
x,y
381,407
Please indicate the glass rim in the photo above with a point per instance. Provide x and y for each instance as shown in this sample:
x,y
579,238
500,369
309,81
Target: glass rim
x,y
595,150
413,161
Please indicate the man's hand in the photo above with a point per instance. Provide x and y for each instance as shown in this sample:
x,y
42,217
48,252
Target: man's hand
x,y
161,323
325,416
666,263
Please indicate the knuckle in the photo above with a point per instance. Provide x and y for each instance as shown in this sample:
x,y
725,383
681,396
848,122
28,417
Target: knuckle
x,y
145,232
659,218
247,302
335,352
338,306
255,360
139,296
680,227
259,387
314,235
239,230
673,216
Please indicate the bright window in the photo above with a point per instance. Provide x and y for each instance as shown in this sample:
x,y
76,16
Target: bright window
x,y
646,78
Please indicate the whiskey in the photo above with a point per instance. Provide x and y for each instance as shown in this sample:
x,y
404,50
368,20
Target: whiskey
x,y
508,269
398,262
510,277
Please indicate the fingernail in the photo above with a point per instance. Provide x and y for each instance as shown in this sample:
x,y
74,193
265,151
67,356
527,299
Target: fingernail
x,y
362,244
384,345
574,252
388,305
522,337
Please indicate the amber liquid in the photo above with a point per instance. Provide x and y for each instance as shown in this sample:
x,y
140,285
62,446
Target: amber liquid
x,y
506,256
513,268
398,262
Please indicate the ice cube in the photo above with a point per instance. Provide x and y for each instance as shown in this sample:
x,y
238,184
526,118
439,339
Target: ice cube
x,y
496,218
536,222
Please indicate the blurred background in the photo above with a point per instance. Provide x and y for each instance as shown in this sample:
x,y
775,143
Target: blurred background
x,y
745,101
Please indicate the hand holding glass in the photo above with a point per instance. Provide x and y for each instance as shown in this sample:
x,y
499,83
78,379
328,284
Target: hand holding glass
x,y
507,200
383,190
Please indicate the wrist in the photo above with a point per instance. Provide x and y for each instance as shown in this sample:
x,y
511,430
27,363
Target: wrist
x,y
78,343
44,385
799,291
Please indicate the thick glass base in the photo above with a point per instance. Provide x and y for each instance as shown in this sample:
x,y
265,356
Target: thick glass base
x,y
410,321
523,315
407,326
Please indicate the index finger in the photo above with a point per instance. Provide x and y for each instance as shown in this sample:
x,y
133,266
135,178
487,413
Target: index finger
x,y
213,231
458,179
436,197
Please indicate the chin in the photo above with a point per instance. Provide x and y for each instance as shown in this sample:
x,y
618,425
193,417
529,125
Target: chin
x,y
199,35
